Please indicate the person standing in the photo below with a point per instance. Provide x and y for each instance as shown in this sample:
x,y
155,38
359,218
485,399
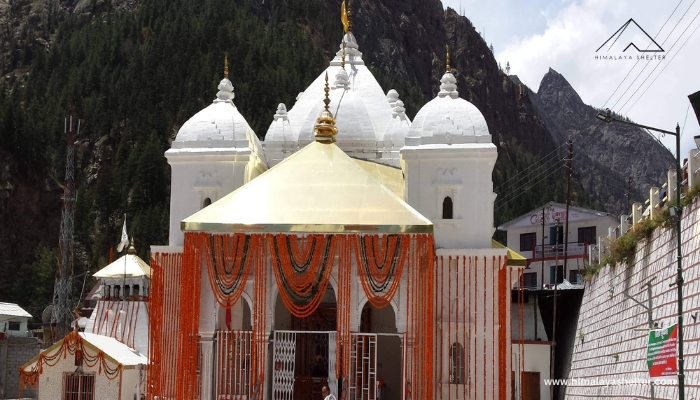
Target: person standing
x,y
327,395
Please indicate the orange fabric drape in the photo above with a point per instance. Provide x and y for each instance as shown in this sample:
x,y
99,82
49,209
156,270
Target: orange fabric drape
x,y
188,332
260,326
163,321
302,272
229,259
420,333
380,263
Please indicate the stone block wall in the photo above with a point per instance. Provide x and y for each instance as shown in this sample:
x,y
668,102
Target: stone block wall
x,y
15,352
607,346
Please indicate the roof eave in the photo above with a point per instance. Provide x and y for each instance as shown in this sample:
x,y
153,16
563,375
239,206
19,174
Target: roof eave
x,y
302,228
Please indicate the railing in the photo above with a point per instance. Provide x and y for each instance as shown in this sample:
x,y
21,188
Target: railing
x,y
552,250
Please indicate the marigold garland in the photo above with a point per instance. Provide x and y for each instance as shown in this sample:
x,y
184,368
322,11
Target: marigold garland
x,y
228,262
71,344
381,279
302,279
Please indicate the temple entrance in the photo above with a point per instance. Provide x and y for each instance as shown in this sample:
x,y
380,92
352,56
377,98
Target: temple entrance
x,y
389,354
303,352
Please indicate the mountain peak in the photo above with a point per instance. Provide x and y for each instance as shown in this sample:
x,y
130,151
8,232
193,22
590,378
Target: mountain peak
x,y
555,87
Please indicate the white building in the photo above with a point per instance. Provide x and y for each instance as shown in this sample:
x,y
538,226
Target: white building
x,y
525,234
382,177
13,320
121,311
86,366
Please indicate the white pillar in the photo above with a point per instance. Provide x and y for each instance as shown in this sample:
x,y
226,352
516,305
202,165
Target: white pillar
x,y
624,224
636,212
207,368
693,168
671,187
653,202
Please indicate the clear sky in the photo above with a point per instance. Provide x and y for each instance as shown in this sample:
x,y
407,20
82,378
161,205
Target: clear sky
x,y
534,35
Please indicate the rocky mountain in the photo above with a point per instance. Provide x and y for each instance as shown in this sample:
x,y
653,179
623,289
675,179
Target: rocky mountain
x,y
137,70
605,155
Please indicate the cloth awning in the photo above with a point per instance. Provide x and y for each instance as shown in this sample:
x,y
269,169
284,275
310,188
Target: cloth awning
x,y
318,189
514,258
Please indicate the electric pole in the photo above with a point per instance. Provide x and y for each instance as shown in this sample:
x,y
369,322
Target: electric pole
x,y
569,167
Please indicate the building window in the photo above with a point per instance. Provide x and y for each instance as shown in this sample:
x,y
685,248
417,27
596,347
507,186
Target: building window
x,y
530,280
559,273
553,237
575,276
587,235
78,386
528,241
447,208
206,202
457,364
136,290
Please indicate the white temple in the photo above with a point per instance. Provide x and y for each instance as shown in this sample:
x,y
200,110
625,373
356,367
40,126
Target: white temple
x,y
384,175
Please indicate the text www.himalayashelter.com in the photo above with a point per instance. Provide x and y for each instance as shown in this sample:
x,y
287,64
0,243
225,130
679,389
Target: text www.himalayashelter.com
x,y
608,382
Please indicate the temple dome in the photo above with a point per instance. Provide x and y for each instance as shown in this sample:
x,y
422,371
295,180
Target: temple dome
x,y
218,125
448,119
364,112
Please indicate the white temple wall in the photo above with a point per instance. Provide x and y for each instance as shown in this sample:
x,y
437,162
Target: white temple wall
x,y
461,172
198,174
467,312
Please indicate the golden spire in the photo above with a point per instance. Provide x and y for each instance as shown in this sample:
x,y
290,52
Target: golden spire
x,y
346,16
132,249
325,129
448,68
225,64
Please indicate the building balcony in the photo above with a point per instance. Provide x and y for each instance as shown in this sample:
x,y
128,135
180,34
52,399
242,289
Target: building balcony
x,y
551,251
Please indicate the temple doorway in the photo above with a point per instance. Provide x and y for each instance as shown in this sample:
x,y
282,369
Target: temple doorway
x,y
303,351
382,322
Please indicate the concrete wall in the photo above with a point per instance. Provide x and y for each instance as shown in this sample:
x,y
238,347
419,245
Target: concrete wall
x,y
14,352
535,358
608,347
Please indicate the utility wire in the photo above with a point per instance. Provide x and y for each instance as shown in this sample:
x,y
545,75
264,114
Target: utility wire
x,y
551,155
665,66
635,65
657,65
509,191
525,190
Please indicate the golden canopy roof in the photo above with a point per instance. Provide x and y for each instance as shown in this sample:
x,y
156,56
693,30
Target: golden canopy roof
x,y
318,189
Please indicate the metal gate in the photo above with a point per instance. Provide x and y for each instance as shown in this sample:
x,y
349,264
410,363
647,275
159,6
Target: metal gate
x,y
233,355
363,367
283,363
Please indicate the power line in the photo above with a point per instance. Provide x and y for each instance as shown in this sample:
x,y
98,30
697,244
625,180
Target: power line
x,y
665,66
657,65
686,116
647,64
635,65
543,160
523,191
507,192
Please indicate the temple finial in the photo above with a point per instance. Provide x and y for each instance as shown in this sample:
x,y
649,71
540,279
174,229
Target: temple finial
x,y
225,64
326,89
348,29
325,129
447,49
